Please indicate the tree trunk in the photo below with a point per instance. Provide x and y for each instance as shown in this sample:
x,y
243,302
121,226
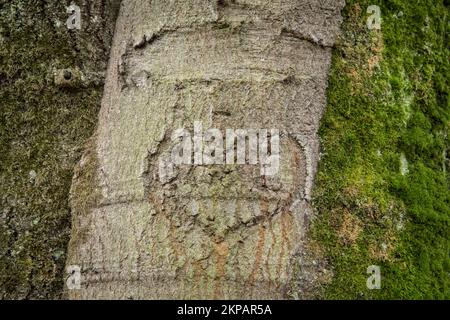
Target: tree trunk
x,y
145,230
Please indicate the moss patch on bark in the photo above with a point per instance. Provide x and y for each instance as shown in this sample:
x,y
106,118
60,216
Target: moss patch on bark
x,y
382,190
43,127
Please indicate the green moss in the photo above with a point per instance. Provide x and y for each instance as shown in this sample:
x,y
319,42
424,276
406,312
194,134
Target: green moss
x,y
388,96
42,132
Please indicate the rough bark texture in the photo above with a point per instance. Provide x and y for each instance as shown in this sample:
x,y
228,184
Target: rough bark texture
x,y
44,123
209,231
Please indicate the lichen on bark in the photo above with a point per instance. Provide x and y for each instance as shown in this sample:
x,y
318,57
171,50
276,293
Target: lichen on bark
x,y
43,126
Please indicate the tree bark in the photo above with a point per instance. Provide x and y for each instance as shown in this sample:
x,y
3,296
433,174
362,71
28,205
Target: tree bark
x,y
208,231
44,122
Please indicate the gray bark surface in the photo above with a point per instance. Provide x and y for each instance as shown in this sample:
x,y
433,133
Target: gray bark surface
x,y
213,231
